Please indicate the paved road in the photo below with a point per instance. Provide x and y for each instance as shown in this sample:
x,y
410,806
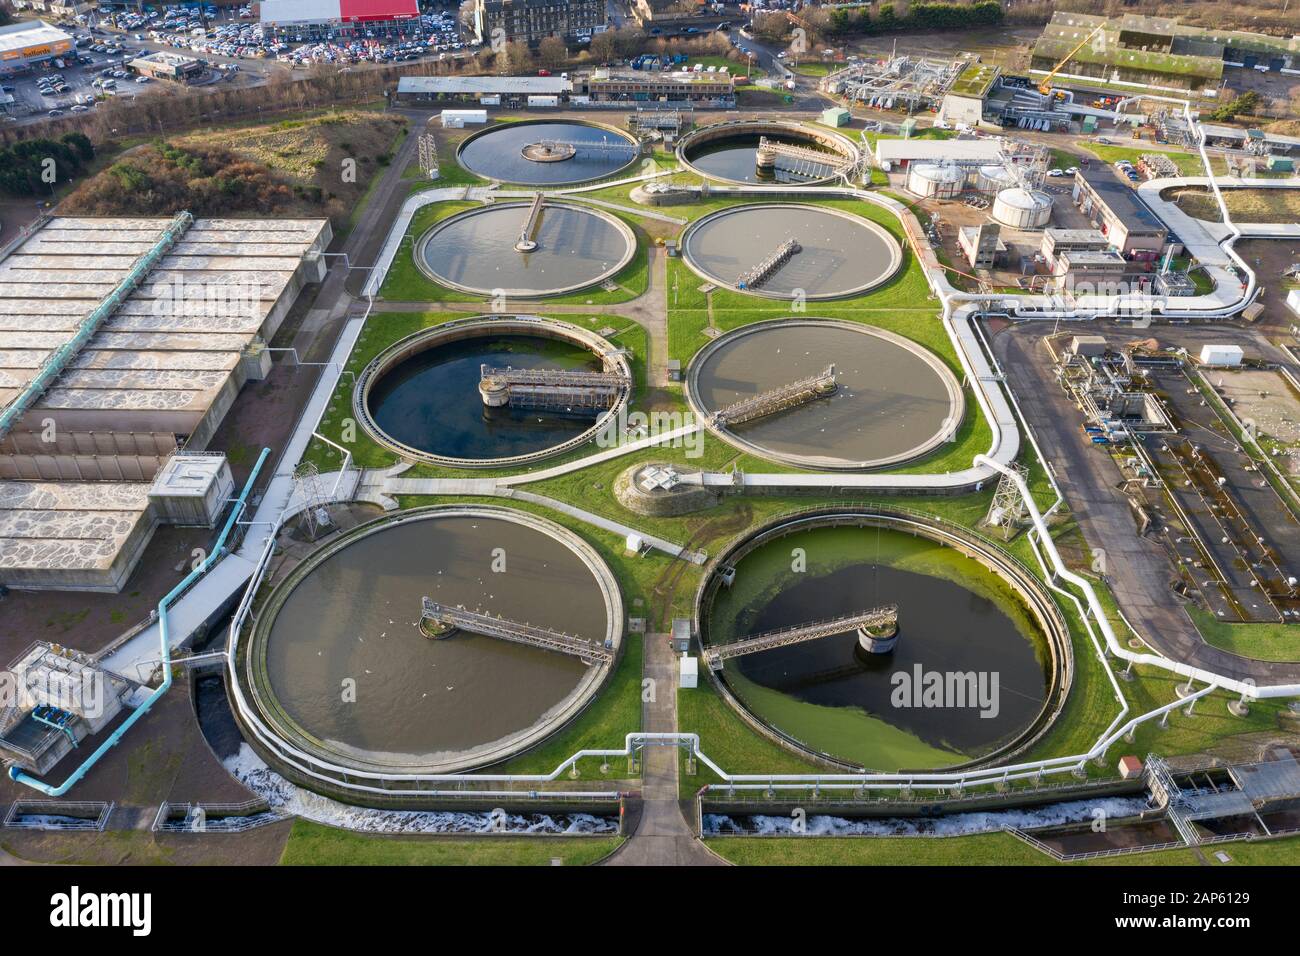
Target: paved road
x,y
336,297
1138,570
662,837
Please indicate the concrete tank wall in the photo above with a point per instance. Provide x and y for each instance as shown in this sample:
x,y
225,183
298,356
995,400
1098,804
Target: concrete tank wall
x,y
935,182
1022,209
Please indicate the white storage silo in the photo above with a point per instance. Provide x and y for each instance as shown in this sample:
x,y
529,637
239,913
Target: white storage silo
x,y
935,182
1022,208
994,178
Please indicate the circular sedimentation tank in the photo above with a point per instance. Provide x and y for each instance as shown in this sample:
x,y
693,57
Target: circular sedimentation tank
x,y
729,152
338,668
977,670
425,397
548,152
503,250
894,401
838,254
1022,208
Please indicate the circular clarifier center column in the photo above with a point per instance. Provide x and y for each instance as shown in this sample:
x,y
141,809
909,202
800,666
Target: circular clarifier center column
x,y
525,250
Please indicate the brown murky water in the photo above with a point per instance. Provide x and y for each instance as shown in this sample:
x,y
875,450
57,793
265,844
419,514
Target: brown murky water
x,y
889,400
477,249
356,617
840,254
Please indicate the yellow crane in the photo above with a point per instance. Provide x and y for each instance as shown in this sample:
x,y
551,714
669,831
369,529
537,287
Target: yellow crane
x,y
1045,87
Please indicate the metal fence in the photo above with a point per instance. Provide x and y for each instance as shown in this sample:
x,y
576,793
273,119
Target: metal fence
x,y
58,815
214,817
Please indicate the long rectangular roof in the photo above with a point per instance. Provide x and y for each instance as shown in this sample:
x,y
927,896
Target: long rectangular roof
x,y
936,150
476,85
167,354
68,525
284,12
1120,199
158,351
20,36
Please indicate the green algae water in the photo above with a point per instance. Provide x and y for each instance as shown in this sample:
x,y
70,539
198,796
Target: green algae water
x,y
956,617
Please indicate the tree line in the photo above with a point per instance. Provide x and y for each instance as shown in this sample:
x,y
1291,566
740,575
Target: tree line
x,y
34,167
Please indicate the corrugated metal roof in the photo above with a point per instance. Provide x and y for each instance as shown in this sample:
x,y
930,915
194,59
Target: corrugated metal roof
x,y
1121,200
18,36
936,150
473,85
300,11
364,10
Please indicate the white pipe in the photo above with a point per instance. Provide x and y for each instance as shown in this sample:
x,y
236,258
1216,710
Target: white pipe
x,y
1035,769
1099,612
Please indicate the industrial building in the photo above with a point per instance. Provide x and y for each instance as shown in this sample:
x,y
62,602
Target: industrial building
x,y
1119,214
685,87
1100,271
60,698
899,153
511,91
124,342
530,21
1155,51
601,86
313,18
1272,144
23,45
1058,241
964,101
165,65
982,245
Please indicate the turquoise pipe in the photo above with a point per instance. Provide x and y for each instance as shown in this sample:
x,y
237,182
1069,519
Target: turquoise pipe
x,y
61,357
52,791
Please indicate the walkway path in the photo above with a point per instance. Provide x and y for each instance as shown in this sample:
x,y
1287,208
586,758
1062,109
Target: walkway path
x,y
334,307
662,837
675,550
376,486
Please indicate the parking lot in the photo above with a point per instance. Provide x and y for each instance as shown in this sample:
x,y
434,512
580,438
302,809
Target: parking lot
x,y
72,88
235,33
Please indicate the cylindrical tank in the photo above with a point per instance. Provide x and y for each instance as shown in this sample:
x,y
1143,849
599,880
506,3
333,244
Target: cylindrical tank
x,y
1022,208
935,182
495,391
994,179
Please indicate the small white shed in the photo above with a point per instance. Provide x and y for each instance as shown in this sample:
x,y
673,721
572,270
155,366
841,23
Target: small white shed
x,y
688,672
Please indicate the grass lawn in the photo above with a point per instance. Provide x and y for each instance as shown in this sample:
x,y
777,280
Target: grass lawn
x,y
312,844
1263,642
1189,164
1244,205
986,849
406,283
734,67
816,68
382,330
728,741
614,714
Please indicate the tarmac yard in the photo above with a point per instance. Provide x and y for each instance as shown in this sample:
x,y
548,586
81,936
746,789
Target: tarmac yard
x,y
1248,533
